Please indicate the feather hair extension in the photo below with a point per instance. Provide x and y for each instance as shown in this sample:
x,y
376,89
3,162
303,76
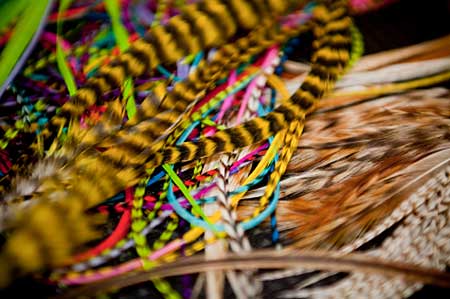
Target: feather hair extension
x,y
167,44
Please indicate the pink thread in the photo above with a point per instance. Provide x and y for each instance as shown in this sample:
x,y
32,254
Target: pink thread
x,y
229,100
363,6
209,131
132,265
205,190
238,163
52,38
220,88
295,19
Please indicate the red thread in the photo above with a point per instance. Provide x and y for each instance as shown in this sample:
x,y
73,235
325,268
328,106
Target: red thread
x,y
118,234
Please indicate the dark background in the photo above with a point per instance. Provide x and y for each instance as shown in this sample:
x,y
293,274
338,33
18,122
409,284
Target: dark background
x,y
404,23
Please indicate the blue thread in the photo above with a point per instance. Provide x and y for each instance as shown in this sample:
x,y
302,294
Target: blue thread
x,y
197,59
42,121
155,178
246,225
309,7
167,74
273,219
186,132
275,232
258,179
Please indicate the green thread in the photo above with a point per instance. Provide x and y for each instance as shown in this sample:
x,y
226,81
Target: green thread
x,y
120,33
60,55
142,248
357,46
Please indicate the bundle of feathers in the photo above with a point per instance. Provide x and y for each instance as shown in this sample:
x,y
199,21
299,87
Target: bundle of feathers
x,y
220,149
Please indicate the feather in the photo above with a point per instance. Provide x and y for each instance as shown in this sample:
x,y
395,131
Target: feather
x,y
277,259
